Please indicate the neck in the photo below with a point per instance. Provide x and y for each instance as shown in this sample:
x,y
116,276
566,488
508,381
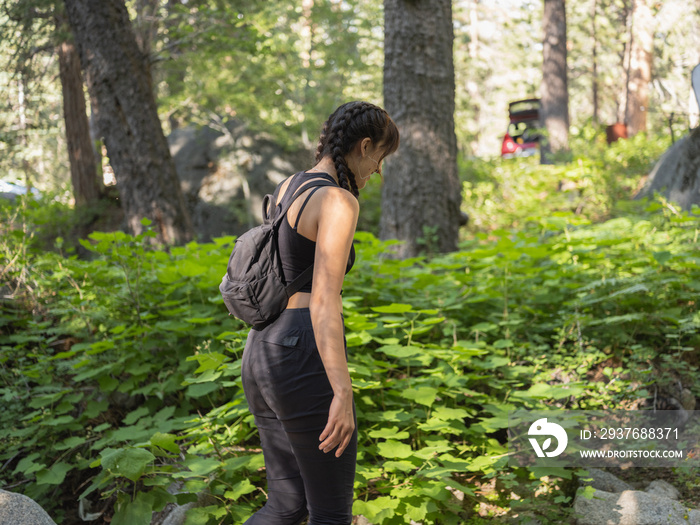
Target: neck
x,y
326,165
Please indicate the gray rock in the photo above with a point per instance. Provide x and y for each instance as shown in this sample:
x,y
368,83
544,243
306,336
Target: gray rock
x,y
178,515
632,507
605,481
18,509
225,171
677,174
174,514
662,489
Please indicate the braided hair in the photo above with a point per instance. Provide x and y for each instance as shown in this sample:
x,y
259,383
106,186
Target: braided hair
x,y
349,124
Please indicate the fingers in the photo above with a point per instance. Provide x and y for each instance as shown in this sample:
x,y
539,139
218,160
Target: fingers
x,y
335,436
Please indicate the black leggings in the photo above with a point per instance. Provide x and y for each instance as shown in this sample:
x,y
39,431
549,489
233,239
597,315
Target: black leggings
x,y
288,392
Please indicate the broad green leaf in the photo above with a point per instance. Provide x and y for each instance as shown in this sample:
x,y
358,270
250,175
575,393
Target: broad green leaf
x,y
401,351
392,432
398,466
28,466
137,512
202,389
166,442
54,475
416,512
662,257
189,268
133,416
394,308
240,489
234,464
71,442
425,395
202,466
201,515
447,414
127,462
376,510
209,361
394,449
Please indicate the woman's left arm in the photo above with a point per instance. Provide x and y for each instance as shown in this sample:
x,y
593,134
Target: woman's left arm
x,y
337,220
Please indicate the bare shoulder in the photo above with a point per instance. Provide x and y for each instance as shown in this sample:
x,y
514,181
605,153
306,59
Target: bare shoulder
x,y
339,200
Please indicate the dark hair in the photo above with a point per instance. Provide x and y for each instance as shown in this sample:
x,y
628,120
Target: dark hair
x,y
349,124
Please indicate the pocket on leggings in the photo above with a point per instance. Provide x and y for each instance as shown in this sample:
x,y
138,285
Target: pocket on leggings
x,y
286,345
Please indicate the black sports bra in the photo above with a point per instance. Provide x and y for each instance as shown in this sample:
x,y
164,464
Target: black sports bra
x,y
296,251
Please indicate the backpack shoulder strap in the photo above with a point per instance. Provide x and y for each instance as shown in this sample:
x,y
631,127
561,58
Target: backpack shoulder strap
x,y
301,279
303,204
300,182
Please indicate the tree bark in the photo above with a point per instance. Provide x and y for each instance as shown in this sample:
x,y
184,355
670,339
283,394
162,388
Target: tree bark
x,y
421,195
554,91
83,167
118,78
641,52
626,18
146,24
594,43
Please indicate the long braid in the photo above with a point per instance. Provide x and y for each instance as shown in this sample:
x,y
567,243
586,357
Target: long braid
x,y
348,124
322,140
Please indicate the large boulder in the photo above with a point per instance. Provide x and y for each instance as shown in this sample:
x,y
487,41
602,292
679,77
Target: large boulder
x,y
676,175
225,172
614,502
18,509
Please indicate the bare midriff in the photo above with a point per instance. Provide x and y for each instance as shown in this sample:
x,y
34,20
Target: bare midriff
x,y
303,299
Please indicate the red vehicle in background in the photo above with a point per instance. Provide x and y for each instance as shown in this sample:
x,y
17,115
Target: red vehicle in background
x,y
523,136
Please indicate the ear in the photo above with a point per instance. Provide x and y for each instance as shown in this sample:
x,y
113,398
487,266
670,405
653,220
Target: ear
x,y
364,145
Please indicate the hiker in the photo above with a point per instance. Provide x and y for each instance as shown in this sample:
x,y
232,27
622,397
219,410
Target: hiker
x,y
295,372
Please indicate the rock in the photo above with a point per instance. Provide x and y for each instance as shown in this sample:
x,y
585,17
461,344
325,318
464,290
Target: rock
x,y
174,514
225,172
677,174
662,489
18,509
615,503
632,507
177,515
606,481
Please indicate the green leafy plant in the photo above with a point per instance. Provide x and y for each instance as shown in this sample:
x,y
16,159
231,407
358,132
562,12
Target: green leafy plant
x,y
120,372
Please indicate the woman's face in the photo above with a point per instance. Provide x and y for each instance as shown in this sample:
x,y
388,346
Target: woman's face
x,y
369,162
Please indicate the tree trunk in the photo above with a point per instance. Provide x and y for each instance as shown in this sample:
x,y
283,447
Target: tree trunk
x,y
146,24
118,78
555,94
83,167
640,64
421,195
626,15
595,80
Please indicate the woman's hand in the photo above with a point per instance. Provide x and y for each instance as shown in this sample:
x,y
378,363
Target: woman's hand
x,y
340,426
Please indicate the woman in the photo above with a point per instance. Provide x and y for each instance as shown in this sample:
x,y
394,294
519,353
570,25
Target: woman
x,y
295,372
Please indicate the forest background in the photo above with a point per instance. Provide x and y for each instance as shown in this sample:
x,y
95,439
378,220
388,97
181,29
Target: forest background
x,y
120,370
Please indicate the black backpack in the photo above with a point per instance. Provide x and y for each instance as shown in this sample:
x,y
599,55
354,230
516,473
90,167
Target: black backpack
x,y
253,287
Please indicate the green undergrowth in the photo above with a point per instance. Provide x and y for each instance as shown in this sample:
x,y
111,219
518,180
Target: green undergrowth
x,y
514,193
120,374
120,370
